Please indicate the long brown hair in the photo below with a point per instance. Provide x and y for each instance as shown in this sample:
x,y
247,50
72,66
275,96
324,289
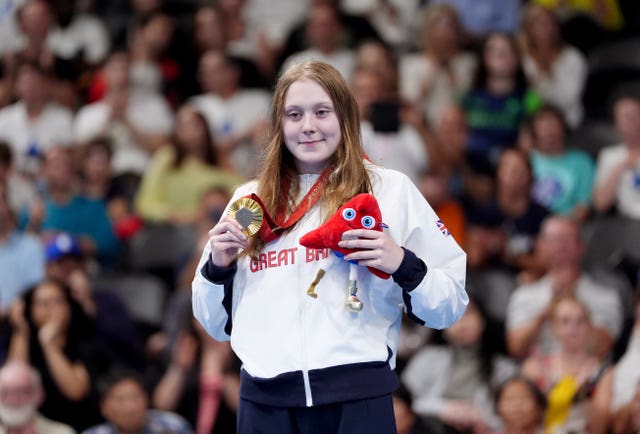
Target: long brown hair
x,y
348,176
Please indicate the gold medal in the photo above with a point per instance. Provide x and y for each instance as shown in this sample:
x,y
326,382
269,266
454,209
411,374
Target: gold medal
x,y
248,213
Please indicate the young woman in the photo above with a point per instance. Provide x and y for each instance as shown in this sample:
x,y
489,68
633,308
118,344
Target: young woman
x,y
568,375
309,365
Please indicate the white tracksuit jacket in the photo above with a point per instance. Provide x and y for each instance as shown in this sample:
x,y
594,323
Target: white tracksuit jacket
x,y
301,351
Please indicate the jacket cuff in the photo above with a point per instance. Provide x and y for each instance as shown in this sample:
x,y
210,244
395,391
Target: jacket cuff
x,y
411,271
218,275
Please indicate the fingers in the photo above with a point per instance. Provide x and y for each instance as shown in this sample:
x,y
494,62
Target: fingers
x,y
227,225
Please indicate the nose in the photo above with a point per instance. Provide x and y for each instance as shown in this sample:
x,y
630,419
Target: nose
x,y
308,125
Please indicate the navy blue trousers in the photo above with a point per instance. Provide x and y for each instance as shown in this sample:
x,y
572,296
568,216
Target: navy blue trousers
x,y
366,416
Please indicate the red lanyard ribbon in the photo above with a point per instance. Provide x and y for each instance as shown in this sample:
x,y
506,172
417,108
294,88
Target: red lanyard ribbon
x,y
271,228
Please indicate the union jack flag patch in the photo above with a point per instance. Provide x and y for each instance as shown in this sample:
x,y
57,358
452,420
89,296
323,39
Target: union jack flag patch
x,y
443,228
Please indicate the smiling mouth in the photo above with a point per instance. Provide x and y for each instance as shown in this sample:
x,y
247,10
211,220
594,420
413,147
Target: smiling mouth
x,y
310,142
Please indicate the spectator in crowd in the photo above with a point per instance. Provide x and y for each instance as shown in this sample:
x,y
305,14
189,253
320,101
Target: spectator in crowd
x,y
434,185
555,69
201,380
387,139
324,31
136,121
480,19
568,375
521,406
98,183
563,176
78,35
21,394
34,19
377,56
354,30
21,191
52,333
34,123
587,24
394,20
246,35
153,67
113,324
64,209
442,71
560,247
236,115
497,103
451,384
180,173
21,257
124,403
616,393
617,181
503,231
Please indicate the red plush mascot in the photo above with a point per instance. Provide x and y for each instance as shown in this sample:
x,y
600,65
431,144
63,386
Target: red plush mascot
x,y
361,212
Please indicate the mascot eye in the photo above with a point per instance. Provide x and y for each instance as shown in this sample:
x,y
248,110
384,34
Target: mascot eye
x,y
348,214
368,222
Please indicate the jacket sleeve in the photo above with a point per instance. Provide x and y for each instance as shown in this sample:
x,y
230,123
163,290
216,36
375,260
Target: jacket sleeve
x,y
433,272
212,290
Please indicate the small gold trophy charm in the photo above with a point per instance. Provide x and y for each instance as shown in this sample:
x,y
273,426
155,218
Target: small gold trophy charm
x,y
353,303
248,213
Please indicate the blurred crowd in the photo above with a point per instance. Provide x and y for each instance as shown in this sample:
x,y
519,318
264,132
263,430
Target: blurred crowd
x,y
125,126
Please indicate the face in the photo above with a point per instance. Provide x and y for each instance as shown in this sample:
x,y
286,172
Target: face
x,y
627,119
517,407
310,126
443,32
452,130
367,88
97,164
125,406
58,168
468,329
542,27
49,303
117,71
190,131
32,85
549,133
36,19
323,28
559,243
214,74
570,324
513,172
19,395
208,29
500,56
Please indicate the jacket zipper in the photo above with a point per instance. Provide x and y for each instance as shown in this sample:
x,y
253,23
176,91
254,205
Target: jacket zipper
x,y
303,337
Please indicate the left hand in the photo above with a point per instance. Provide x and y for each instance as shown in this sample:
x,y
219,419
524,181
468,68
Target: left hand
x,y
375,249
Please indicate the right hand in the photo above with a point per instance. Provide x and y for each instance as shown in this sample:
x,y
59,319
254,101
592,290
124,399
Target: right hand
x,y
225,239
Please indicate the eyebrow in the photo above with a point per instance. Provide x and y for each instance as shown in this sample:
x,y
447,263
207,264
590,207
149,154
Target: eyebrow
x,y
316,105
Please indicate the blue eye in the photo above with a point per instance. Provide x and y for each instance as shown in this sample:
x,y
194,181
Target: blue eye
x,y
348,214
368,222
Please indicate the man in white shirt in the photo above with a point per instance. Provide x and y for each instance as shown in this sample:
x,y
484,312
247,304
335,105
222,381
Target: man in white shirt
x,y
527,322
21,394
618,167
236,116
34,123
137,122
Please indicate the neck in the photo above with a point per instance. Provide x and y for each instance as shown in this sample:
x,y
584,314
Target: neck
x,y
28,428
501,85
60,194
34,108
513,201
